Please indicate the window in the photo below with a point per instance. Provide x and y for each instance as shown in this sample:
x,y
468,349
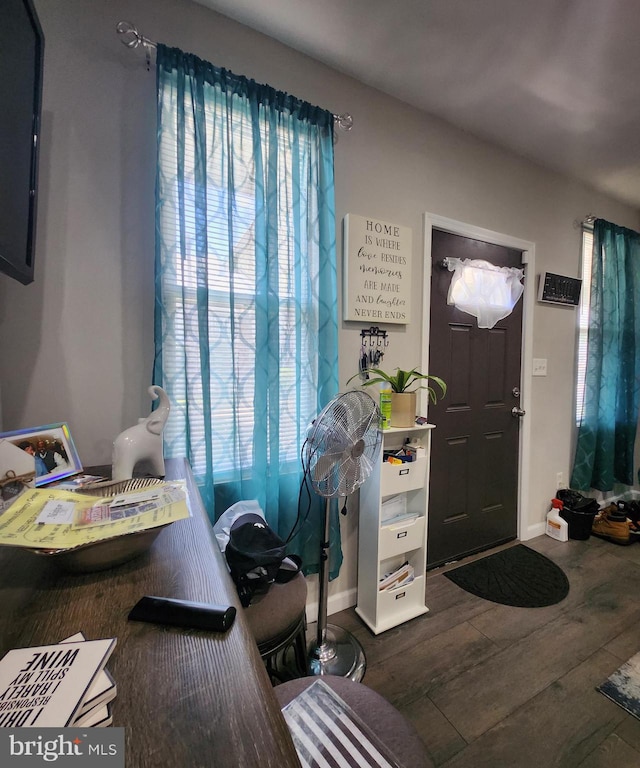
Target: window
x,y
583,320
229,281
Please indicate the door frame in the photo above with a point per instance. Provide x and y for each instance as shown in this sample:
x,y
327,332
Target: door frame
x,y
433,221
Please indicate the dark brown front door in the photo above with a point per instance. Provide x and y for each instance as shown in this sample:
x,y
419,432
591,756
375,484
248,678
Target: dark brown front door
x,y
473,491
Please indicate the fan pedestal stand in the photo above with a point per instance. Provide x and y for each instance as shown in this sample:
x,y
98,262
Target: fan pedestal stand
x,y
339,654
341,449
336,651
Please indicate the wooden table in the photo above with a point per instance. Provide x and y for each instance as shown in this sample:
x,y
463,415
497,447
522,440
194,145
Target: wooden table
x,y
185,698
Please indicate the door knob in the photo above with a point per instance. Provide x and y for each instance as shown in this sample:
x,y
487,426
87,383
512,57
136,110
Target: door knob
x,y
517,413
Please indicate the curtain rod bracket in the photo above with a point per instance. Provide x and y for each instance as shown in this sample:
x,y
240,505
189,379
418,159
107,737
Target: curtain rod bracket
x,y
586,223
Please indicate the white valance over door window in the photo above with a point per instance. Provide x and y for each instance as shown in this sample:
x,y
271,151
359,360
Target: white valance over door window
x,y
483,290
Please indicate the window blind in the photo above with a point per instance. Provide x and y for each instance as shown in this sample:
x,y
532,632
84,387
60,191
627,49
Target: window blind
x,y
583,320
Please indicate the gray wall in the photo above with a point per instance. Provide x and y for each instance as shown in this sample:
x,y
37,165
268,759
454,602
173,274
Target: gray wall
x,y
77,345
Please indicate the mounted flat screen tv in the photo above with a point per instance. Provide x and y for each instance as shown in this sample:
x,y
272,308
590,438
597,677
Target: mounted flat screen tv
x,y
21,57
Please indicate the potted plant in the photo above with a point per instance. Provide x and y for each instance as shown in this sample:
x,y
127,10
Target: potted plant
x,y
403,402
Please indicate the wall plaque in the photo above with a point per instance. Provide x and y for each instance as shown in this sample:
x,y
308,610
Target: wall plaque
x,y
376,270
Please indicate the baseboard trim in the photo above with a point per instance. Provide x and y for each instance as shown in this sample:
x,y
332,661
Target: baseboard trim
x,y
533,531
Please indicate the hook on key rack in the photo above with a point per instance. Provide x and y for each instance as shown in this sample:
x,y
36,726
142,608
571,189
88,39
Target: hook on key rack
x,y
372,345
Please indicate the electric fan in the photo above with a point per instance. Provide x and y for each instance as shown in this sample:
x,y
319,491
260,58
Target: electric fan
x,y
339,453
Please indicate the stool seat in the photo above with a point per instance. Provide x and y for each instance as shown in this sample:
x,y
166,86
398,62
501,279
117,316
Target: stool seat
x,y
392,728
279,608
277,622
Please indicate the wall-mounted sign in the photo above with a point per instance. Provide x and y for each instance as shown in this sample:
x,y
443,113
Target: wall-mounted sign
x,y
377,270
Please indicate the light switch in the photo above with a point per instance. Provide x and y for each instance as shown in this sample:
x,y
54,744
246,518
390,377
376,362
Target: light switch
x,y
539,366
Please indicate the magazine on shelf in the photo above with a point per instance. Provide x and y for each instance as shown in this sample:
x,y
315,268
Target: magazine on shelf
x,y
405,574
46,686
406,518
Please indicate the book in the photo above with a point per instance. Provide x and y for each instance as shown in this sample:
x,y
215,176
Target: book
x,y
98,717
45,686
102,690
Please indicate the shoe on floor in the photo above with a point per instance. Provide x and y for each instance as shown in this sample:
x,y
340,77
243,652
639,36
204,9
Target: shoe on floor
x,y
631,510
634,530
616,511
612,525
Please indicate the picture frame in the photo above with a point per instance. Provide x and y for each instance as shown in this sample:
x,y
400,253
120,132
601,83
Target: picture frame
x,y
53,449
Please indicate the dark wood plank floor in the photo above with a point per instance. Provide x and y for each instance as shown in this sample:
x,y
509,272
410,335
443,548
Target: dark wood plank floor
x,y
495,686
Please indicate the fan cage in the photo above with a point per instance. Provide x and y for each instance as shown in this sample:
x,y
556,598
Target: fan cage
x,y
342,444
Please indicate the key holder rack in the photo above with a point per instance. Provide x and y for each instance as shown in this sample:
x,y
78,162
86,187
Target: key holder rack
x,y
373,342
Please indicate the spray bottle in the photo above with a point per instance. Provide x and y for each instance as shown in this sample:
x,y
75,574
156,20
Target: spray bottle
x,y
557,527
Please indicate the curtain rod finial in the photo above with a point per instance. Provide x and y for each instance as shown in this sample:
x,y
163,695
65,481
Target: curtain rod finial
x,y
344,121
130,36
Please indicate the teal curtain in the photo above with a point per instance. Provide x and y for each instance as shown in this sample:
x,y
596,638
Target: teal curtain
x,y
606,435
246,333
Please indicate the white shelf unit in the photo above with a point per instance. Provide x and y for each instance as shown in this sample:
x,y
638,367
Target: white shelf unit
x,y
385,546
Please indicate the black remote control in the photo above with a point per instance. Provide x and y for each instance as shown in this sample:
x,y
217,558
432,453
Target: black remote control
x,y
183,613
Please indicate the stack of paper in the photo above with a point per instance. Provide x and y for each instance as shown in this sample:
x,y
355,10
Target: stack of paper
x,y
393,507
398,578
56,685
46,518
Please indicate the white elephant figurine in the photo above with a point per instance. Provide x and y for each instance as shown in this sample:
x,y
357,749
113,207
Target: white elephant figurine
x,y
143,441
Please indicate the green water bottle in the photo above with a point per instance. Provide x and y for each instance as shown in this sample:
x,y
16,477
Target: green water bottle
x,y
385,406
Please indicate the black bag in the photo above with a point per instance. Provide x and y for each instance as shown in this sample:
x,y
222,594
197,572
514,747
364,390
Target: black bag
x,y
576,502
257,557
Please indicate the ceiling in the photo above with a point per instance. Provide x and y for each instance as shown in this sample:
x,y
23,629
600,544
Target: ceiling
x,y
556,81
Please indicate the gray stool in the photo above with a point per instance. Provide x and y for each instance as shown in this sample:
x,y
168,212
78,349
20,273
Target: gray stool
x,y
277,621
392,728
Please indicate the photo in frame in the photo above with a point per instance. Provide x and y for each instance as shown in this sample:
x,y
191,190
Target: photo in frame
x,y
17,473
52,449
